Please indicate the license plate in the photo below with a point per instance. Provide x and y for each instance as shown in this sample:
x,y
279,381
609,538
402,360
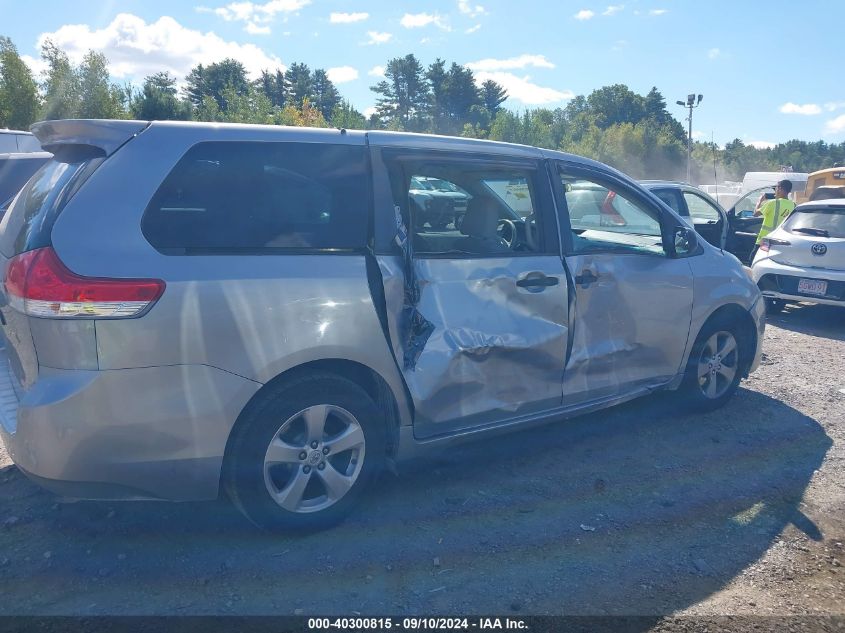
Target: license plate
x,y
812,286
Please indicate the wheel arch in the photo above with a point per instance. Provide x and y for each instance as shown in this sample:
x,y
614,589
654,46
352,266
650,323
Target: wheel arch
x,y
368,379
735,314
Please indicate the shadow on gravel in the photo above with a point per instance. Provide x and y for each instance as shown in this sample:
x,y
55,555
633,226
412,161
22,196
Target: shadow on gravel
x,y
815,320
635,510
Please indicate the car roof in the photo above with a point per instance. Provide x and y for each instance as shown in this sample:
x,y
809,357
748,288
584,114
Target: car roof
x,y
822,204
651,184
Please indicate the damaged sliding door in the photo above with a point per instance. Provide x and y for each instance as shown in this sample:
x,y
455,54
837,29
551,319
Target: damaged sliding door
x,y
477,301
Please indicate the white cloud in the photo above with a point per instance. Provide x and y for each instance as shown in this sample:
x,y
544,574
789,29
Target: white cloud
x,y
491,65
472,29
696,134
613,9
419,20
347,18
36,65
376,71
618,45
713,53
368,112
342,74
248,11
833,106
806,109
378,38
522,89
136,49
761,144
466,8
584,14
835,126
658,11
254,29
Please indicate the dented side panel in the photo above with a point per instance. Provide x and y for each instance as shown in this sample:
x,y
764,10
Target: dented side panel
x,y
496,350
631,324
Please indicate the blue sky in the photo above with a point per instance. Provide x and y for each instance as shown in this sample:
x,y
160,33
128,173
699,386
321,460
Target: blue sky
x,y
769,71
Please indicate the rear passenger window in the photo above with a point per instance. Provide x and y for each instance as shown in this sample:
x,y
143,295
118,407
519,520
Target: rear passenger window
x,y
261,196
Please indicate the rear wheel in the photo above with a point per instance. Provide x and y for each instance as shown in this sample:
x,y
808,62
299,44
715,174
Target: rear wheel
x,y
715,366
302,454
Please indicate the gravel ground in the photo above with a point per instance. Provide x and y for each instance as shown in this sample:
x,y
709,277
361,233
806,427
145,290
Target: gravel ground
x,y
636,510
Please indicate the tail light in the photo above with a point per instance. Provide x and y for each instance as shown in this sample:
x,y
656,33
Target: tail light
x,y
38,284
767,242
609,215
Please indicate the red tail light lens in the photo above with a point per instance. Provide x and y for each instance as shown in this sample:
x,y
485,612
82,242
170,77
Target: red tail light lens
x,y
767,242
39,284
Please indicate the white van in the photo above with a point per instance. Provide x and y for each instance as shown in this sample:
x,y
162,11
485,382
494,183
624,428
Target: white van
x,y
759,179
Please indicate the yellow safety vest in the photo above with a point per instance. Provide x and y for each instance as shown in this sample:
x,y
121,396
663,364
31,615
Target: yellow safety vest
x,y
774,212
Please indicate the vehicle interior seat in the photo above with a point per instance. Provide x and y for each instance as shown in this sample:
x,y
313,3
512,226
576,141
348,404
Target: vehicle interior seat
x,y
480,226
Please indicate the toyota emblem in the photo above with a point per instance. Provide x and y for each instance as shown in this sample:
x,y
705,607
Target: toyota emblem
x,y
819,249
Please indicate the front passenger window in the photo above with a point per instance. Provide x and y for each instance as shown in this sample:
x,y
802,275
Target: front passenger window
x,y
603,218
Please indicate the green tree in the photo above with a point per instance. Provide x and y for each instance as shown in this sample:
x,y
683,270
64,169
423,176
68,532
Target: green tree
x,y
158,101
214,79
324,96
298,84
61,86
98,97
616,104
404,95
344,116
19,102
437,77
492,96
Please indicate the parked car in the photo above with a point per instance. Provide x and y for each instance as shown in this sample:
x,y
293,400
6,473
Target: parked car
x,y
700,210
15,170
804,258
15,141
438,202
189,307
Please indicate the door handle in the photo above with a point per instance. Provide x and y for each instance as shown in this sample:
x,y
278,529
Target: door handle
x,y
586,277
537,281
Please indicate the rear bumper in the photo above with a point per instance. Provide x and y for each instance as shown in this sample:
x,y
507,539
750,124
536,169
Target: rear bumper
x,y
154,432
780,281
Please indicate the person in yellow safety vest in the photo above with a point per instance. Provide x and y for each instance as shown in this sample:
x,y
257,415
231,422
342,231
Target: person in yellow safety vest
x,y
774,211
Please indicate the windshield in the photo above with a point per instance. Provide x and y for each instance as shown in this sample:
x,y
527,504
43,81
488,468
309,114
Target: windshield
x,y
821,222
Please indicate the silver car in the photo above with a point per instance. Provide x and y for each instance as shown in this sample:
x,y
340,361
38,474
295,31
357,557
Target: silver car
x,y
188,307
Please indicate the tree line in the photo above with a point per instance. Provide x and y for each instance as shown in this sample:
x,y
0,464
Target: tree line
x,y
613,124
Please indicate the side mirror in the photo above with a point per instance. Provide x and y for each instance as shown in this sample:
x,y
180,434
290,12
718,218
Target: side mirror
x,y
685,241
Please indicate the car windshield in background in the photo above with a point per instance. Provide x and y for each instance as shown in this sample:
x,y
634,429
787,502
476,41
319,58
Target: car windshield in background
x,y
514,192
821,222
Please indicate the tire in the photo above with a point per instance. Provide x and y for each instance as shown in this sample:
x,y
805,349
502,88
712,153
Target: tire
x,y
302,453
775,306
715,366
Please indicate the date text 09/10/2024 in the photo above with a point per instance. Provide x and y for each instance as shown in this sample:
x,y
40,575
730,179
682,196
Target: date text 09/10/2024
x,y
416,623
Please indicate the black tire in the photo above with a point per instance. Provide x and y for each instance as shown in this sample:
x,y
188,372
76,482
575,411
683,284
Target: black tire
x,y
278,417
698,392
774,306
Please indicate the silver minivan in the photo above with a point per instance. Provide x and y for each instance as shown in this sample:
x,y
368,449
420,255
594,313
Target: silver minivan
x,y
190,307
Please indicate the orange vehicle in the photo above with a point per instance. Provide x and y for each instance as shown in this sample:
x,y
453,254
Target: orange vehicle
x,y
823,184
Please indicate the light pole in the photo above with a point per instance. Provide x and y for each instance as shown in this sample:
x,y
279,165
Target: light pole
x,y
691,103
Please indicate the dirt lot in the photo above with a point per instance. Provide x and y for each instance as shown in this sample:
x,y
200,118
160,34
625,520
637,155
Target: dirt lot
x,y
636,510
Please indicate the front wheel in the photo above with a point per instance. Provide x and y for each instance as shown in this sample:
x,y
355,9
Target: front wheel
x,y
302,454
714,368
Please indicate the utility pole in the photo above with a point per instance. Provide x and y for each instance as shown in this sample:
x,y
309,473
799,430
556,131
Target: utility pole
x,y
691,103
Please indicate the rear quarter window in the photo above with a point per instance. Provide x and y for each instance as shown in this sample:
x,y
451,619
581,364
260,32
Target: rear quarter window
x,y
236,196
28,223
